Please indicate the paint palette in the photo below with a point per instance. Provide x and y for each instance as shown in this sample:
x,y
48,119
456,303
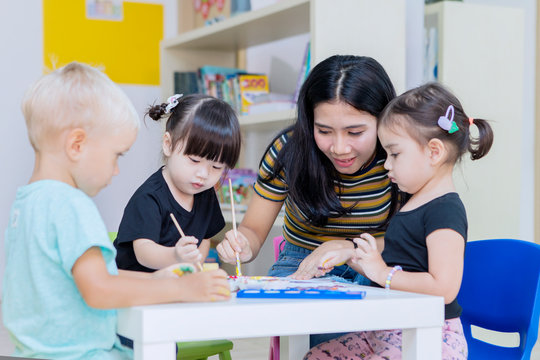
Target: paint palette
x,y
284,287
301,294
253,282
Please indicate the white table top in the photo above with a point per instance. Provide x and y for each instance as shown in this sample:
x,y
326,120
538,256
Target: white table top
x,y
244,318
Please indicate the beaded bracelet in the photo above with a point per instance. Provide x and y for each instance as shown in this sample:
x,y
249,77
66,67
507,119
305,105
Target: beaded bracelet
x,y
390,274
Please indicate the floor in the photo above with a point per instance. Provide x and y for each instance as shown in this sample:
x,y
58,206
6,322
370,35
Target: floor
x,y
244,349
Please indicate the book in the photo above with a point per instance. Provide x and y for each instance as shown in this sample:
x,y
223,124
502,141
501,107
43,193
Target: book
x,y
304,71
222,83
186,82
251,86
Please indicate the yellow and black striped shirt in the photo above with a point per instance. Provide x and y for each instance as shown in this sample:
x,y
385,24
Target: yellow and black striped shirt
x,y
369,190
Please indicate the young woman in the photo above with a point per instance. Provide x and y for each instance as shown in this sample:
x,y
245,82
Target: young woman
x,y
328,170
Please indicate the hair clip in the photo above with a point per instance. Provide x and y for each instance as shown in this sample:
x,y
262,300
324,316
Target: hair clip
x,y
173,101
446,123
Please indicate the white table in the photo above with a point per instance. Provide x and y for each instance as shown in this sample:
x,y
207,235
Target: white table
x,y
155,328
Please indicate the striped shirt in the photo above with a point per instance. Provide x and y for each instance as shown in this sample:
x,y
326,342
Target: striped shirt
x,y
368,191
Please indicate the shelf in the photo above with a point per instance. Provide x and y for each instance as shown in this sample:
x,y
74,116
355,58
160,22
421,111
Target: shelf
x,y
269,120
344,28
285,18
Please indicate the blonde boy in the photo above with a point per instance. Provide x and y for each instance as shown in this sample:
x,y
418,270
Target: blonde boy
x,y
61,283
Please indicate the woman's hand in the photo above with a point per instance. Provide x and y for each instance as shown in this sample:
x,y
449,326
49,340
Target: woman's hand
x,y
368,257
309,267
186,250
231,245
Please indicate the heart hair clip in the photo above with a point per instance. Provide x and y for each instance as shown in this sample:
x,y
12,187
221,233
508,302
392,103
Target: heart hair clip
x,y
173,101
447,122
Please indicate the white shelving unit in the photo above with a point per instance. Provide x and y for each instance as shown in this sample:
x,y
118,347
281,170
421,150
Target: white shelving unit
x,y
481,59
373,28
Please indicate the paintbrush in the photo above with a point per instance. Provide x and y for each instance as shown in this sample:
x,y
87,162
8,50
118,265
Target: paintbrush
x,y
238,269
183,235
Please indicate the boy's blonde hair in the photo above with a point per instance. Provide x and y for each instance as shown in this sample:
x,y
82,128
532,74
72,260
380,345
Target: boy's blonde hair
x,y
76,95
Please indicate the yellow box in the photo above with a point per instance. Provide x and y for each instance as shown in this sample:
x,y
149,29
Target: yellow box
x,y
250,86
210,266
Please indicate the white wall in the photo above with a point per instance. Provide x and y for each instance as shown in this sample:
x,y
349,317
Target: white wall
x,y
528,128
21,63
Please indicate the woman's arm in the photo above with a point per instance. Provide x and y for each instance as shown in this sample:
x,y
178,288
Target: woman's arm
x,y
252,232
102,290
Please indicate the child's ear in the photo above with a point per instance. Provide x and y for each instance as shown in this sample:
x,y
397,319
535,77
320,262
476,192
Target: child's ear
x,y
75,142
437,151
167,144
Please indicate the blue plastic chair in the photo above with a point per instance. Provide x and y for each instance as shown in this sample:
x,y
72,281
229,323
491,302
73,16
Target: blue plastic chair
x,y
500,291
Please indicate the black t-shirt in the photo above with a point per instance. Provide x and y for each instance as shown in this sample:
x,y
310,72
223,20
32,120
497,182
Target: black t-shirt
x,y
147,216
405,238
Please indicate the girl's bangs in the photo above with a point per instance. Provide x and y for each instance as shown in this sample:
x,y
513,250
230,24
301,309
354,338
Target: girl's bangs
x,y
214,144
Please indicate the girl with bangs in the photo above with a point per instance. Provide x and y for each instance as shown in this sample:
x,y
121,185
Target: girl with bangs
x,y
202,140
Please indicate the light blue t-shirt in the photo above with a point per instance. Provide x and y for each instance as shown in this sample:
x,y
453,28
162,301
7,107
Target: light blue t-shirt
x,y
51,225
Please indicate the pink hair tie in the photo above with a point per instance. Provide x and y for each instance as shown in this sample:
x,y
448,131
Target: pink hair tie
x,y
471,121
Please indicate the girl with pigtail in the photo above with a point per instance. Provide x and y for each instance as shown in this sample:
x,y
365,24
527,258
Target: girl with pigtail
x,y
202,140
424,131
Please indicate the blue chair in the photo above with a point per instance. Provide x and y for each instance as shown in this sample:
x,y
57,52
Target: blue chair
x,y
500,291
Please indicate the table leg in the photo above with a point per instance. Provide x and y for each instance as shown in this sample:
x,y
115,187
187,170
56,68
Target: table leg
x,y
298,346
422,344
154,351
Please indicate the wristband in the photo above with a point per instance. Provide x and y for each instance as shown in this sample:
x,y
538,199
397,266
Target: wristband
x,y
355,245
390,274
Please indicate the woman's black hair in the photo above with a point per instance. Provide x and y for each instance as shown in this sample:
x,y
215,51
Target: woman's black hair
x,y
207,126
358,81
417,111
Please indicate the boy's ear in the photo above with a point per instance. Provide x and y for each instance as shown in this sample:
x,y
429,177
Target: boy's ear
x,y
437,151
75,142
167,144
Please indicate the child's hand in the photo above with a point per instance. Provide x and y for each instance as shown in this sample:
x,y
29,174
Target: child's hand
x,y
171,271
334,258
309,267
186,250
368,257
228,248
206,286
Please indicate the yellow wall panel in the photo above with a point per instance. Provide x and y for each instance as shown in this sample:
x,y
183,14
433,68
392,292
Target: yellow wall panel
x,y
126,50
